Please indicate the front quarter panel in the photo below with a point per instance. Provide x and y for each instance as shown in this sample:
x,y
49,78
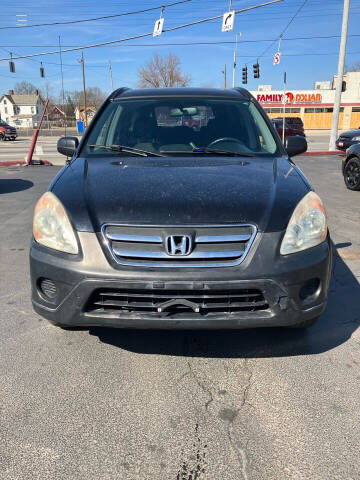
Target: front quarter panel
x,y
69,189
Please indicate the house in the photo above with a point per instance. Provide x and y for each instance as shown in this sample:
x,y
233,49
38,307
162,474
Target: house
x,y
21,110
90,112
56,114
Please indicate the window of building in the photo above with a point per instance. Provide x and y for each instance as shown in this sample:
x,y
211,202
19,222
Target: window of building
x,y
273,110
32,110
292,110
17,110
356,109
5,101
322,110
6,110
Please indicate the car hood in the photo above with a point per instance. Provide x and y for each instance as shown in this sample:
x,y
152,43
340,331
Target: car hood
x,y
180,191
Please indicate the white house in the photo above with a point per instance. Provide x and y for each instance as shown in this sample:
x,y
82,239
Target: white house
x,y
22,111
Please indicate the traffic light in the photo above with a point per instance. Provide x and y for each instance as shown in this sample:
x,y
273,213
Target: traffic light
x,y
256,70
11,64
244,75
42,71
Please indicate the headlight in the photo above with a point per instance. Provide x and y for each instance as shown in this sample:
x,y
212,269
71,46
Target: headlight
x,y
307,226
356,139
52,226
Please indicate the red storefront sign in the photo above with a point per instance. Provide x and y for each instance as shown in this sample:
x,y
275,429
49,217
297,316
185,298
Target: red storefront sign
x,y
290,97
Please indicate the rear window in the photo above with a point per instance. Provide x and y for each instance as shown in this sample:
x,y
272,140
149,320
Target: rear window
x,y
179,125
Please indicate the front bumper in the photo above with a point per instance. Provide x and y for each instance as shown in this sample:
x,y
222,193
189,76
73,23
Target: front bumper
x,y
280,280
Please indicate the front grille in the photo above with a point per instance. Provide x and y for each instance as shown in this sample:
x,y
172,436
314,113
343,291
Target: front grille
x,y
200,246
167,302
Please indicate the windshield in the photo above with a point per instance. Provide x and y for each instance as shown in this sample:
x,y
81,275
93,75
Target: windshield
x,y
3,124
181,125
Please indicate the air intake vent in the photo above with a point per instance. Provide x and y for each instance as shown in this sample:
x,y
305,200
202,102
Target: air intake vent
x,y
167,302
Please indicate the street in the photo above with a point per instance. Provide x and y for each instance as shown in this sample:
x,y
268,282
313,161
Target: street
x,y
46,147
18,150
265,404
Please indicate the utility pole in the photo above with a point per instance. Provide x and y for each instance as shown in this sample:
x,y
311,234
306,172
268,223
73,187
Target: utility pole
x,y
235,59
111,76
82,61
284,110
339,80
224,72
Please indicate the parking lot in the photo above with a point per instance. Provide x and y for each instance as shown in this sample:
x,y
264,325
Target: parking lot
x,y
270,404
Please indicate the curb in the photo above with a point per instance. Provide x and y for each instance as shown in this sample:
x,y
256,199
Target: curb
x,y
322,152
22,163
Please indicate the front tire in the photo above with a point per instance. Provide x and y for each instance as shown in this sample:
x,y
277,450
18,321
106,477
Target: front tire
x,y
2,137
352,174
306,323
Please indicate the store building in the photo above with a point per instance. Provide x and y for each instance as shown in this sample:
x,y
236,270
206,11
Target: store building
x,y
315,107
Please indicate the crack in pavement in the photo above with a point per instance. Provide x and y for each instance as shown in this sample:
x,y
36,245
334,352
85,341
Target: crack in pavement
x,y
201,385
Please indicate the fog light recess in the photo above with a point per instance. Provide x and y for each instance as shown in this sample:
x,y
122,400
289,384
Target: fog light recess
x,y
48,288
309,289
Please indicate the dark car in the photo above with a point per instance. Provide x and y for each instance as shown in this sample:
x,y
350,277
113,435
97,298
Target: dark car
x,y
347,139
162,226
7,132
351,167
294,122
289,131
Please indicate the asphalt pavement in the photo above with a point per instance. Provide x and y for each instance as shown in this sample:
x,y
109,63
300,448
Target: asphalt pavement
x,y
266,404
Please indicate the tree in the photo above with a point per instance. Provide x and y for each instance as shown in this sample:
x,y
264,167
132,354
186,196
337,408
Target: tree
x,y
352,68
94,97
25,88
163,72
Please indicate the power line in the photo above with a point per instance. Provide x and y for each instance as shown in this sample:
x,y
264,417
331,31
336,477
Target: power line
x,y
96,18
287,26
174,44
102,44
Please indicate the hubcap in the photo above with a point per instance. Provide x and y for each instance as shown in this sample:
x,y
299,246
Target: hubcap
x,y
353,173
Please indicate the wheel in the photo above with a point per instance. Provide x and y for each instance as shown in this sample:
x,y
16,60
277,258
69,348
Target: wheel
x,y
352,173
306,323
2,137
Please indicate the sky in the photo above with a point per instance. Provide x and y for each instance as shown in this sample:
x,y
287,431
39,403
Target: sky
x,y
305,61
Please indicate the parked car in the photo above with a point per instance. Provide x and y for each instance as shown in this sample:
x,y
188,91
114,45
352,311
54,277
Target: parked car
x,y
152,226
7,132
351,167
294,122
346,139
289,131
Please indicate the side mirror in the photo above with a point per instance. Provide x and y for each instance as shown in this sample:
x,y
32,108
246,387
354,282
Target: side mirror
x,y
67,145
295,145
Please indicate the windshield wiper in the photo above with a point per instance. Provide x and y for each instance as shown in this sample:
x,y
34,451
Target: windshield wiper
x,y
221,152
125,149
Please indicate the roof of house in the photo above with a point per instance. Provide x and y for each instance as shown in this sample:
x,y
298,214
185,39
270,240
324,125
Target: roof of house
x,y
22,99
89,107
55,107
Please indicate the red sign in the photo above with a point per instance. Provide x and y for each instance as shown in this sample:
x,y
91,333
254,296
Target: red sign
x,y
277,58
290,97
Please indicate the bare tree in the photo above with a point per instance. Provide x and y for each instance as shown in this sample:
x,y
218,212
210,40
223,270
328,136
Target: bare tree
x,y
25,87
353,68
163,72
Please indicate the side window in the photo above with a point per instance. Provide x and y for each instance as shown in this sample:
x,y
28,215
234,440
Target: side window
x,y
266,139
